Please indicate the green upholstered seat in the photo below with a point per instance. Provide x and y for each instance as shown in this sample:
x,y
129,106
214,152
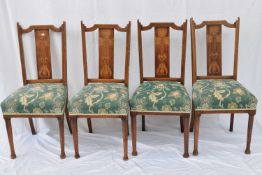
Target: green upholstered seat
x,y
222,95
101,99
39,98
161,96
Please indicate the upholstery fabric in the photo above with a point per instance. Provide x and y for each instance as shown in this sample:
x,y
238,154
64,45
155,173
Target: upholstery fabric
x,y
39,98
161,96
100,98
222,94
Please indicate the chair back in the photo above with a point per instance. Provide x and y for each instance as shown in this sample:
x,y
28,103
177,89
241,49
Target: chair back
x,y
214,49
43,52
106,52
162,50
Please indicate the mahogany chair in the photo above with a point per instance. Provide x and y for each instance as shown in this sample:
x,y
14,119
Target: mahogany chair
x,y
105,97
217,93
162,94
44,97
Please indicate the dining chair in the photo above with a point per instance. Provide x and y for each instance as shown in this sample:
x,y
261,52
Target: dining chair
x,y
44,97
216,93
106,96
161,95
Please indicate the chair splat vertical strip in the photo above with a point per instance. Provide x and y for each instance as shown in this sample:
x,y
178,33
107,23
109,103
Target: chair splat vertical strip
x,y
106,53
43,53
214,49
162,42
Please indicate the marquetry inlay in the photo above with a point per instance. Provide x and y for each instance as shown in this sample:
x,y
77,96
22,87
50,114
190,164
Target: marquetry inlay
x,y
214,50
106,53
162,51
43,55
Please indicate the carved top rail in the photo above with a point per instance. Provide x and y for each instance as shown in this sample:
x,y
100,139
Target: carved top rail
x,y
106,51
162,50
219,22
43,52
105,26
164,25
214,48
42,27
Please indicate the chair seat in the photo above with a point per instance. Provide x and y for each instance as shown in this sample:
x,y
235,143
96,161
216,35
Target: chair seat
x,y
39,98
161,96
100,99
222,95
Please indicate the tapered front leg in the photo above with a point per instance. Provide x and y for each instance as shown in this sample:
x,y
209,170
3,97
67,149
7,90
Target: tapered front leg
x,y
143,123
196,133
186,135
73,121
125,140
62,136
231,123
10,136
249,132
89,123
31,123
133,127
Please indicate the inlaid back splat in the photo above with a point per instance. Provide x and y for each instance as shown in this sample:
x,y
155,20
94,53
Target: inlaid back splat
x,y
162,51
43,54
214,49
106,53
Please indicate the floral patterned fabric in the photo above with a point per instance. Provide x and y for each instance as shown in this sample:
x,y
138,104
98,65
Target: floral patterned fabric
x,y
222,94
161,96
100,98
39,98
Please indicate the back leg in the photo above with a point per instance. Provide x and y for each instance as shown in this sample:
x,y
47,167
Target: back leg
x,y
89,123
68,120
192,120
31,123
143,123
231,123
181,124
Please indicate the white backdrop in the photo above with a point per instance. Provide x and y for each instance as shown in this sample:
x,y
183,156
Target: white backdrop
x,y
160,148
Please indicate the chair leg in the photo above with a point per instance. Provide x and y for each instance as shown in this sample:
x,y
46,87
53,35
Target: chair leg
x,y
249,132
89,123
62,136
68,120
133,127
186,135
143,123
192,119
31,123
181,124
124,133
196,133
10,136
127,125
231,123
73,121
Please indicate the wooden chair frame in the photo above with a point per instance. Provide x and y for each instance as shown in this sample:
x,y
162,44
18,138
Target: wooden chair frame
x,y
162,76
214,71
106,36
44,69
